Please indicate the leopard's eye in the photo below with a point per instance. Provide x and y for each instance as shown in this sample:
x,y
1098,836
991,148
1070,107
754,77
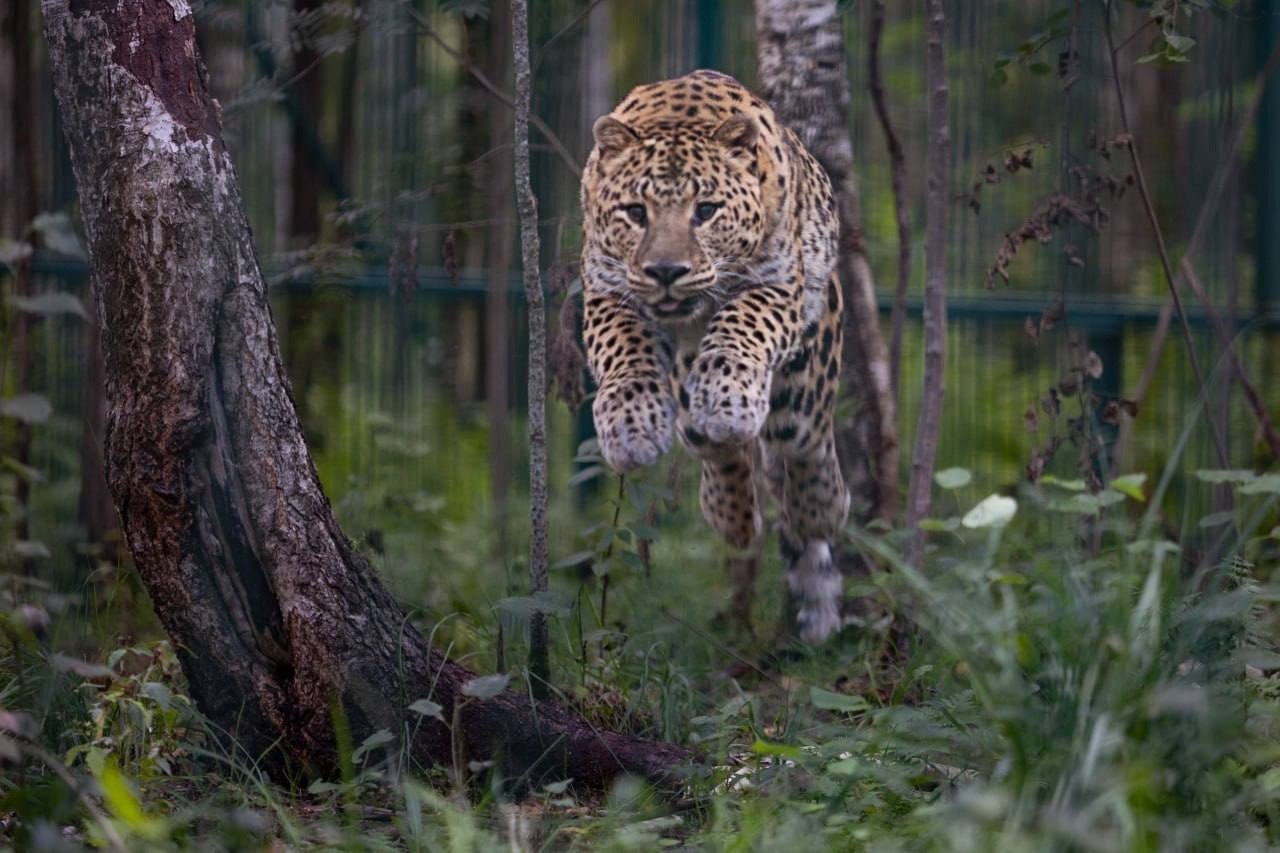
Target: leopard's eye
x,y
636,213
705,211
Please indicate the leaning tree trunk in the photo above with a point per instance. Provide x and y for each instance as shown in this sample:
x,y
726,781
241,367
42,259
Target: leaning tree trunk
x,y
803,75
277,621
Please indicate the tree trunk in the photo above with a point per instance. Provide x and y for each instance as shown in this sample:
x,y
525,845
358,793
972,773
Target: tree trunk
x,y
539,663
278,621
938,165
803,76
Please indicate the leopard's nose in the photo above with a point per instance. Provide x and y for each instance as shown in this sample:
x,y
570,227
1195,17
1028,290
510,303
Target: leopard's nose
x,y
665,272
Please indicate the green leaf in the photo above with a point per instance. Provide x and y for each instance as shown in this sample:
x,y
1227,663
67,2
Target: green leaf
x,y
123,803
1040,68
58,235
95,758
588,473
1215,475
557,788
1218,519
158,693
427,708
29,550
1087,504
486,686
12,252
844,767
992,511
53,302
26,472
1131,485
645,531
1069,485
28,408
953,478
321,787
576,559
828,700
1180,43
944,525
632,561
120,798
1267,484
379,738
524,606
781,750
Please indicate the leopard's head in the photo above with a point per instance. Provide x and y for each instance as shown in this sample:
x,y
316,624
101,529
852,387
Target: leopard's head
x,y
677,207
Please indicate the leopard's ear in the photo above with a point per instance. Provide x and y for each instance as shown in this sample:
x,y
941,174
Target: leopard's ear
x,y
612,136
740,131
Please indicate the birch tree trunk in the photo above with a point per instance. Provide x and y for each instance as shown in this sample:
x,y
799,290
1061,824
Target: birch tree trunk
x,y
803,76
539,661
278,622
938,165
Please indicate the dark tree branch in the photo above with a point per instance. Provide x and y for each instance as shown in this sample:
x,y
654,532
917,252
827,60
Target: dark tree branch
x,y
1131,144
1208,210
935,287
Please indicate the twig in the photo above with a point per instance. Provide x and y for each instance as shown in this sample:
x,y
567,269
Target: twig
x,y
578,19
483,79
1251,395
608,551
1208,210
898,167
539,663
1131,144
935,288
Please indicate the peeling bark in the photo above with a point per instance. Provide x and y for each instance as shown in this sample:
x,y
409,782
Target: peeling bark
x,y
803,76
277,620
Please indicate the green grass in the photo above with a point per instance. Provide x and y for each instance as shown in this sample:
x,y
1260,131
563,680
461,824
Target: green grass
x,y
1072,680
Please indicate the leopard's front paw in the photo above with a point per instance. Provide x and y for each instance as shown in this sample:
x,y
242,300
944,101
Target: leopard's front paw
x,y
728,397
634,423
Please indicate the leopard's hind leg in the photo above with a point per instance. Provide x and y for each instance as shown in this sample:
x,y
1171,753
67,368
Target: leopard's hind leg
x,y
805,478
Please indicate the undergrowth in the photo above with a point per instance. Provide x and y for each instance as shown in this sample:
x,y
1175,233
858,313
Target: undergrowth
x,y
1061,675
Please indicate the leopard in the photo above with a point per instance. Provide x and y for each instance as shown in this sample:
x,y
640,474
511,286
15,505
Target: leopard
x,y
712,314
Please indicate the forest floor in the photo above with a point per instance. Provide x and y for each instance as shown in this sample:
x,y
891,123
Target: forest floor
x,y
1065,677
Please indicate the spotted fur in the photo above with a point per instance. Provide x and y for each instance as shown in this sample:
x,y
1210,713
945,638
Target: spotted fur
x,y
712,312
